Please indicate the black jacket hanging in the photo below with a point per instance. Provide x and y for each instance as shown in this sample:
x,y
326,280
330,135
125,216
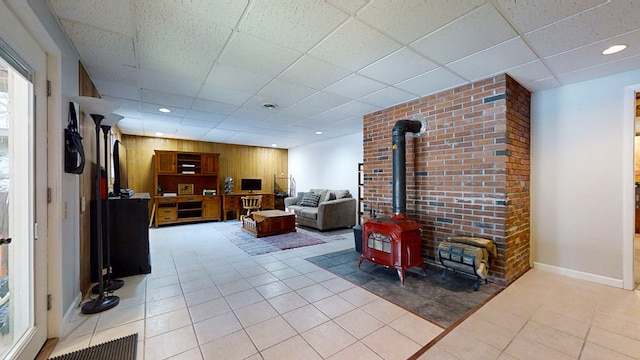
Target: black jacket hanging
x,y
73,150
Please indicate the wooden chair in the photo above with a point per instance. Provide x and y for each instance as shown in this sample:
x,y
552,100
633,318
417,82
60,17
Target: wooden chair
x,y
251,203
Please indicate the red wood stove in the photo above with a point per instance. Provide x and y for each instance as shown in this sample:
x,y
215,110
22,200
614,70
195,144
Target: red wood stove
x,y
395,242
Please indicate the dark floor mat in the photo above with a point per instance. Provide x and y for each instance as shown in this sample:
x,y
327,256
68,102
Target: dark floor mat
x,y
441,301
119,349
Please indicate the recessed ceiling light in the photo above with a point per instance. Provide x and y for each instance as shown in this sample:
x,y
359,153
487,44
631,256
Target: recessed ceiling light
x,y
614,49
318,132
164,110
270,106
274,145
159,134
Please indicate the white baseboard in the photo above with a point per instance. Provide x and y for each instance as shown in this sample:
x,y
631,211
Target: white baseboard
x,y
618,283
73,308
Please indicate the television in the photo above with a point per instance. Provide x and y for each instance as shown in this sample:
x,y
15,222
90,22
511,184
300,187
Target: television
x,y
251,184
120,179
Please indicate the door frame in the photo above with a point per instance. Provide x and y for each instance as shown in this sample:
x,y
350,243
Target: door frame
x,y
48,125
628,186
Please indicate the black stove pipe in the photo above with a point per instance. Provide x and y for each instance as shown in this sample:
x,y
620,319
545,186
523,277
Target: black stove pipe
x,y
399,160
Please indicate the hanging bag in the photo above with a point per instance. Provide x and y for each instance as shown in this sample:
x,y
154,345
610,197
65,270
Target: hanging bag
x,y
73,150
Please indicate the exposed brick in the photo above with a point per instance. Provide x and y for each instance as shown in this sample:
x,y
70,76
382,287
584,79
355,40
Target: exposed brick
x,y
474,156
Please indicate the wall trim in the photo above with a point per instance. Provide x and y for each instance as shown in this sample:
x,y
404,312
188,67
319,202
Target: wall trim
x,y
75,305
604,280
628,186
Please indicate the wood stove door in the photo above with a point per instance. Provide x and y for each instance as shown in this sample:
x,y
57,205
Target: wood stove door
x,y
378,248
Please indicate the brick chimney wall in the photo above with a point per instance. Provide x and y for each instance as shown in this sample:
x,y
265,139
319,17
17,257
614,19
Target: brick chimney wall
x,y
467,175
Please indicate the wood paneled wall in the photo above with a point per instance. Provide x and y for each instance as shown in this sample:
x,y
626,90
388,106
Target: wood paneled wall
x,y
236,161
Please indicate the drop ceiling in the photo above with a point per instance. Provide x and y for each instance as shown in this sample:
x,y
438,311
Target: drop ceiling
x,y
325,64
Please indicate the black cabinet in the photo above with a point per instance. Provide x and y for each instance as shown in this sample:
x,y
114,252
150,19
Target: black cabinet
x,y
128,233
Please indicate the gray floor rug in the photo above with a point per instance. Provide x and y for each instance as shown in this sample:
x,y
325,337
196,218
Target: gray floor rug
x,y
257,246
441,301
119,349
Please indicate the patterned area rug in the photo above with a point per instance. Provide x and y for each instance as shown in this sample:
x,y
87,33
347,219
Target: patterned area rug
x,y
257,246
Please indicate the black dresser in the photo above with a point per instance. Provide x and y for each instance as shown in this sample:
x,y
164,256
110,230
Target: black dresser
x,y
128,231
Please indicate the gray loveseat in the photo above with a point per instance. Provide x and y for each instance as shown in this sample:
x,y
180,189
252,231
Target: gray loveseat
x,y
333,209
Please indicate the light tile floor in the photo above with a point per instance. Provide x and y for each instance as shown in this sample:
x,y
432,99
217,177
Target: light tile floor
x,y
547,316
207,299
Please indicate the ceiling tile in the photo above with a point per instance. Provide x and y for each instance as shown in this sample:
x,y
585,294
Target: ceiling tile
x,y
537,85
190,132
292,23
218,135
111,72
603,22
354,46
223,95
281,119
223,12
114,48
244,113
161,119
322,101
527,15
355,86
170,41
493,60
480,29
231,123
153,109
152,127
388,97
127,108
353,124
591,55
530,72
327,117
169,83
431,82
258,55
348,6
213,107
411,20
212,122
202,116
356,108
237,79
313,73
280,92
165,99
114,15
615,67
250,139
401,65
110,88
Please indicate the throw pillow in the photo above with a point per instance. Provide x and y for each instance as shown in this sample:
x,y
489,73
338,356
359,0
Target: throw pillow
x,y
300,196
341,194
310,200
324,194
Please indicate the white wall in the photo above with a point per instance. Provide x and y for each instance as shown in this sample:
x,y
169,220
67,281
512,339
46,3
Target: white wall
x,y
580,178
330,164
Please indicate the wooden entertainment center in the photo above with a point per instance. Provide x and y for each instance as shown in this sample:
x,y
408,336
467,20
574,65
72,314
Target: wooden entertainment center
x,y
186,187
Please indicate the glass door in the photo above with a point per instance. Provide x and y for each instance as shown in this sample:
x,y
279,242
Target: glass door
x,y
16,209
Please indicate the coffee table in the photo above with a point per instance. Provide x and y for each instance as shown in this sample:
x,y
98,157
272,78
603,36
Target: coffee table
x,y
269,222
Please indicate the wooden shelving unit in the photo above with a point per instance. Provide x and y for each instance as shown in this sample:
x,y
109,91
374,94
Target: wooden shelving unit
x,y
180,179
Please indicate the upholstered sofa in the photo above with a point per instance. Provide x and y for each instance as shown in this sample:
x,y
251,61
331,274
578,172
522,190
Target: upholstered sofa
x,y
323,209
